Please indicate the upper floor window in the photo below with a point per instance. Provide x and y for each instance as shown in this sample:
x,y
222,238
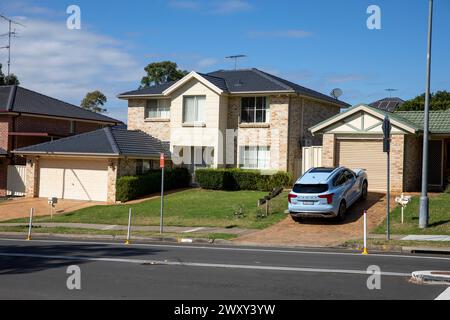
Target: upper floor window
x,y
194,109
255,110
157,109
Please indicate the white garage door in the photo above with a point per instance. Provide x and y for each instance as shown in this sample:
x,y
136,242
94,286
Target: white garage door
x,y
74,179
365,154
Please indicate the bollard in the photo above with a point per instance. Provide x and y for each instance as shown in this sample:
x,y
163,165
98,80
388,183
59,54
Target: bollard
x,y
365,252
30,225
127,242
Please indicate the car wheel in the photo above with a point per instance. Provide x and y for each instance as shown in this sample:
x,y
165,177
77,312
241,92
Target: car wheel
x,y
342,210
365,191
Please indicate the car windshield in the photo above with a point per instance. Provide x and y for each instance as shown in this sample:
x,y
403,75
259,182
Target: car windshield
x,y
310,188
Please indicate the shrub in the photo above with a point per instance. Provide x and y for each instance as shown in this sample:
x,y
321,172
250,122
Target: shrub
x,y
237,179
132,187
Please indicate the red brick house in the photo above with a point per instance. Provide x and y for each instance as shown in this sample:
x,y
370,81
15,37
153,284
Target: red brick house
x,y
28,118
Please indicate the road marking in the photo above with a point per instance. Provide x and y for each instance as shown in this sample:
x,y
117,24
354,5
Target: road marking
x,y
444,295
193,230
195,264
377,255
109,227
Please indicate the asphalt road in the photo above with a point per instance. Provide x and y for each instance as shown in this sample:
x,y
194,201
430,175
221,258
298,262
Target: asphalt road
x,y
37,270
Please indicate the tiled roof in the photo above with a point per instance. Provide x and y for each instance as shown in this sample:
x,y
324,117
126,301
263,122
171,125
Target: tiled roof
x,y
246,80
388,104
106,141
21,100
439,120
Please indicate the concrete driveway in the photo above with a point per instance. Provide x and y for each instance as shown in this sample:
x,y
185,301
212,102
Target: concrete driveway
x,y
322,232
20,207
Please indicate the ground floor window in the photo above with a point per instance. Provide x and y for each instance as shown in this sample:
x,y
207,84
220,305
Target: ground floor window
x,y
144,166
255,157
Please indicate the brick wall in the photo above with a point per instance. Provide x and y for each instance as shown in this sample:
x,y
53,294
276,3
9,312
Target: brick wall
x,y
32,177
55,126
159,129
329,150
315,112
5,126
397,161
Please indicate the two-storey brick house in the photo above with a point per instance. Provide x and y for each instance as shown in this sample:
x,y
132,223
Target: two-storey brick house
x,y
28,118
241,118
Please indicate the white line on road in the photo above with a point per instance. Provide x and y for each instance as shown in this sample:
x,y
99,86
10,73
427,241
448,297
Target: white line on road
x,y
444,295
377,255
207,265
109,228
193,230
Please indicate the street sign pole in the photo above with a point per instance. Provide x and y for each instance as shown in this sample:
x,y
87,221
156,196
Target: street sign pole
x,y
424,214
162,165
387,128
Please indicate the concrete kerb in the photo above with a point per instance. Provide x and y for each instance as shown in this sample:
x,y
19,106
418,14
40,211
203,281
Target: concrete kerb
x,y
431,277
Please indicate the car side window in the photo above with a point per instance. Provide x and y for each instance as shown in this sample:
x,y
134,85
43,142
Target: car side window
x,y
349,175
340,179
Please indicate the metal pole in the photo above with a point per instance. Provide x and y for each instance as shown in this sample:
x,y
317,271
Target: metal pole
x,y
161,228
127,242
30,225
388,206
424,201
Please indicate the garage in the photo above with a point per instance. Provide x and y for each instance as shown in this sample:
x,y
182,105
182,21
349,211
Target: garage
x,y
74,179
364,154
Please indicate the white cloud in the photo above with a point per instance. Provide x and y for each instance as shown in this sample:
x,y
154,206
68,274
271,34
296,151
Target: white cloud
x,y
66,64
206,63
294,33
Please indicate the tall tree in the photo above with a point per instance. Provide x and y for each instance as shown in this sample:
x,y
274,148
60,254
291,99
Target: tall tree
x,y
161,72
8,80
94,101
440,100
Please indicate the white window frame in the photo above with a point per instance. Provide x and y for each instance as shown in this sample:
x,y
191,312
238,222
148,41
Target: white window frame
x,y
260,159
199,115
255,109
162,109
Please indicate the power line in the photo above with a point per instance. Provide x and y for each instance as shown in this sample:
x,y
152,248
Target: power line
x,y
10,34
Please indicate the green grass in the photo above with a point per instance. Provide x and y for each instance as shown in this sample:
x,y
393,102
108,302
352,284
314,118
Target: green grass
x,y
191,208
397,243
77,231
439,218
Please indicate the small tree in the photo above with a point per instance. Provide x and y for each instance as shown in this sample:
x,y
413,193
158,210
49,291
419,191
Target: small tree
x,y
94,101
8,80
440,100
161,72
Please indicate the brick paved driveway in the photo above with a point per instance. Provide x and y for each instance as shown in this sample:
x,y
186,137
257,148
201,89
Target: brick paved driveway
x,y
321,232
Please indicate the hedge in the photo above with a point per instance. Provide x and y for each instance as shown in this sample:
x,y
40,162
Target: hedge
x,y
132,187
237,179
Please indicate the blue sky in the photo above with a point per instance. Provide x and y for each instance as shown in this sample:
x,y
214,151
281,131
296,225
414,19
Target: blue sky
x,y
321,44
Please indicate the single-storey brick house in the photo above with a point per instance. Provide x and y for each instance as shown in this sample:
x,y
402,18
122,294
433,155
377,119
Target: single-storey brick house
x,y
354,139
87,166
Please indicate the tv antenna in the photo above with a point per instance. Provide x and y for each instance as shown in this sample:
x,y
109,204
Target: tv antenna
x,y
236,57
390,90
11,33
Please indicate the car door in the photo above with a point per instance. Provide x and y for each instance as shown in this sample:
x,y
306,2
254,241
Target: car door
x,y
352,187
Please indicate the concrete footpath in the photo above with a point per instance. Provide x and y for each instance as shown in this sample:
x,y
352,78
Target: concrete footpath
x,y
106,227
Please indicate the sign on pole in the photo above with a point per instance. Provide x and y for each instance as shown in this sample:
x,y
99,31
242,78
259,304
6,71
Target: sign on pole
x,y
387,128
162,165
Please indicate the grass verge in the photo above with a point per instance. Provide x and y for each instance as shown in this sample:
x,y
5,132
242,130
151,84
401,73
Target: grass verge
x,y
439,218
191,208
396,243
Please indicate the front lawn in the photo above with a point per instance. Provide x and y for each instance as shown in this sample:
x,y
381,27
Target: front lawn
x,y
191,208
439,218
